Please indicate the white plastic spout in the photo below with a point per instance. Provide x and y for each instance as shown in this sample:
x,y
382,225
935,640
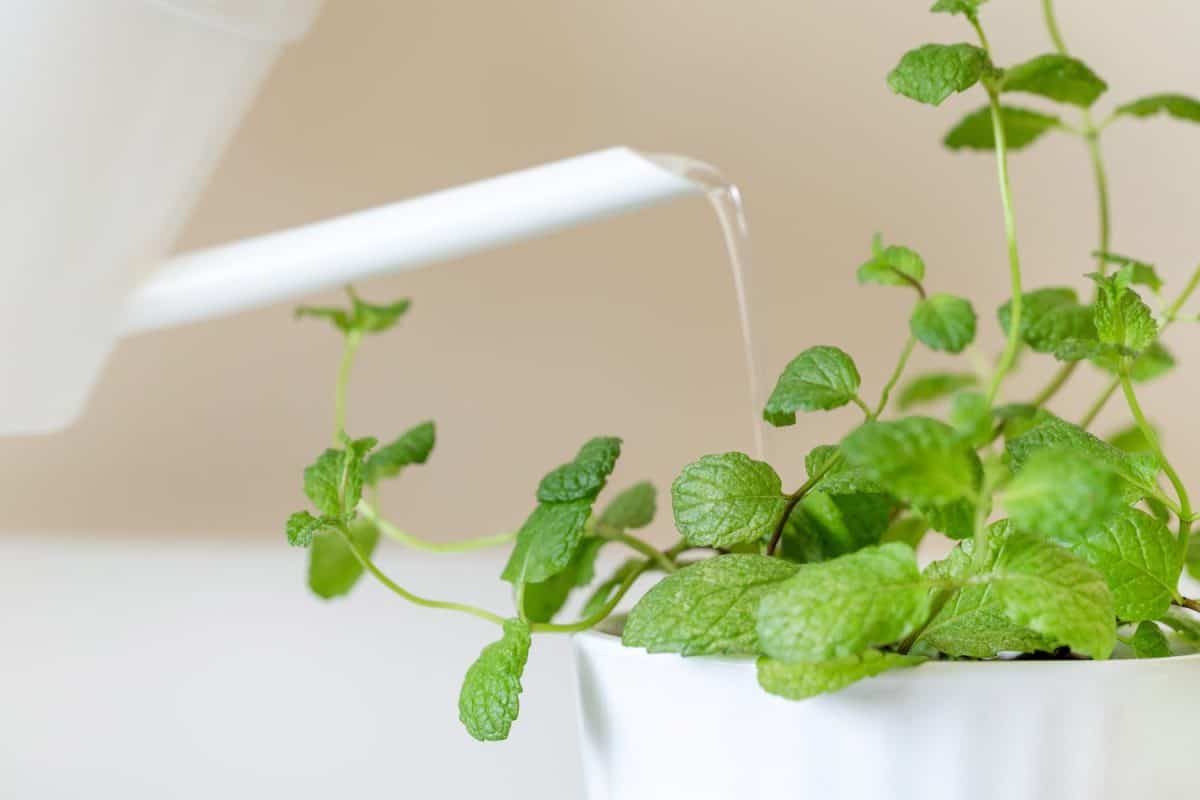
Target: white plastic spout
x,y
47,386
406,235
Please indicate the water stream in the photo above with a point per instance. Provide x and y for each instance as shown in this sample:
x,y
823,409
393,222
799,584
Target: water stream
x,y
726,201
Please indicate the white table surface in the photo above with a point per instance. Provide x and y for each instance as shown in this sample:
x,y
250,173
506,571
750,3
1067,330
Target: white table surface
x,y
141,668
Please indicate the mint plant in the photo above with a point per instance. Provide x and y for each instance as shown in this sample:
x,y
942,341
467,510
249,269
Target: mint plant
x,y
1067,545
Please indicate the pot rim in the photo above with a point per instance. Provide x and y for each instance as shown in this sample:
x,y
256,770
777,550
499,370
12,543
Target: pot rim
x,y
613,642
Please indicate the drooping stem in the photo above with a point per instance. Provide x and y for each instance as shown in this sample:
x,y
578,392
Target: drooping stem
x,y
392,532
349,348
896,373
600,615
659,558
1151,436
380,576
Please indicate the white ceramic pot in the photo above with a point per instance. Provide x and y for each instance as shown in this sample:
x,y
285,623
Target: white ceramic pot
x,y
662,726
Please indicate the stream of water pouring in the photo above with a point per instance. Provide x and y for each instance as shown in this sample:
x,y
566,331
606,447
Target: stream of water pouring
x,y
726,201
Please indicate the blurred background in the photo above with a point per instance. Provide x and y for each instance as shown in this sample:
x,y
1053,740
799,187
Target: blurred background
x,y
191,450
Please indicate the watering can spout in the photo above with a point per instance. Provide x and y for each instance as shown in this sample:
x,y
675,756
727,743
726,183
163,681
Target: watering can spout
x,y
125,106
401,236
45,392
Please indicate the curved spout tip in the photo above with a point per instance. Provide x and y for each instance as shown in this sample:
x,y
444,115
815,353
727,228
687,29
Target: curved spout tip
x,y
406,235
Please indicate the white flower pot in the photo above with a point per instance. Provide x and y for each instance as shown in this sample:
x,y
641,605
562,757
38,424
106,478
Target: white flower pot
x,y
662,726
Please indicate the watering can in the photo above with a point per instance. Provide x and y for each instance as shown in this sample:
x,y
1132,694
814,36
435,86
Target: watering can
x,y
118,111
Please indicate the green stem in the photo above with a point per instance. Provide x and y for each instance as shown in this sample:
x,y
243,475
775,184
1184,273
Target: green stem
x,y
349,348
1101,401
858,401
1010,229
798,495
1093,139
896,373
1014,257
1052,26
640,545
1091,133
1185,503
979,557
1060,377
598,617
370,567
417,543
1173,309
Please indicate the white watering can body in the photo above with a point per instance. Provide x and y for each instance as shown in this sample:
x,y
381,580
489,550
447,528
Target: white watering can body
x,y
119,109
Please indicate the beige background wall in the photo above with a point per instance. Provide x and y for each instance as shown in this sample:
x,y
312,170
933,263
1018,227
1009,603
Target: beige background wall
x,y
628,326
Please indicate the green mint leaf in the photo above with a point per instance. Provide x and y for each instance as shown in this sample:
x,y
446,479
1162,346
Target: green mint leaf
x,y
547,541
1044,588
943,322
583,478
972,622
819,379
722,500
933,72
604,591
371,318
1057,77
801,680
1149,641
820,458
1120,316
971,416
1022,127
1176,105
837,478
1139,472
706,608
907,530
967,7
303,526
411,447
843,607
631,509
332,567
334,481
917,459
955,520
1052,320
490,698
1059,491
1020,418
1140,273
361,317
541,601
826,525
934,386
892,266
1137,554
1131,440
1153,362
